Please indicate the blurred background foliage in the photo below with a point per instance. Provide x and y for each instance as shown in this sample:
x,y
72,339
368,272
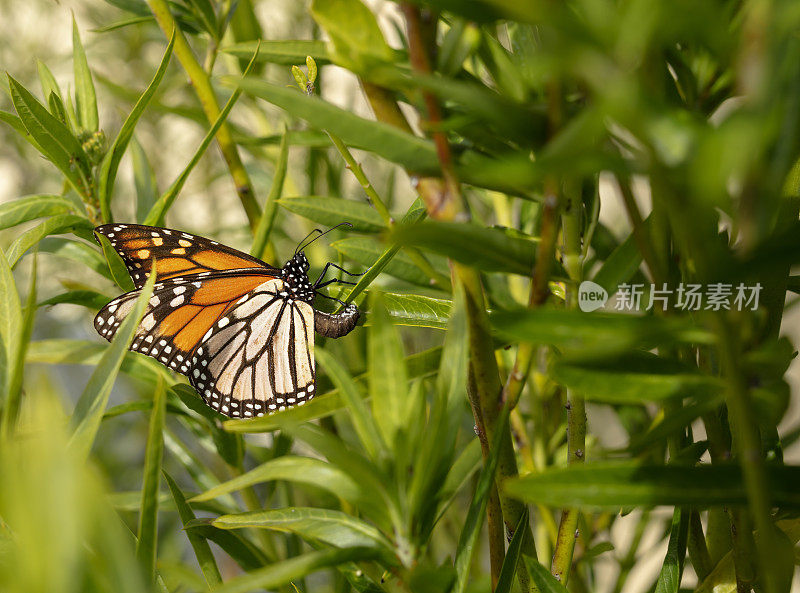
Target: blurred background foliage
x,y
479,432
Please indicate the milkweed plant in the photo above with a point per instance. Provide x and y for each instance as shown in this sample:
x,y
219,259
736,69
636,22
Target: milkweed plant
x,y
576,224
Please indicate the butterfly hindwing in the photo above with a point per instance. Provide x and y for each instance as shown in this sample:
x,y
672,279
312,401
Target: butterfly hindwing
x,y
179,314
176,253
259,357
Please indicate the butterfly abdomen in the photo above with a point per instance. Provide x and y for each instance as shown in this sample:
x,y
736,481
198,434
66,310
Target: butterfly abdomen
x,y
338,325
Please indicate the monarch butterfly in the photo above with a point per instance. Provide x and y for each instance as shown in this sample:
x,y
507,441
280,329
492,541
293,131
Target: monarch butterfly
x,y
241,330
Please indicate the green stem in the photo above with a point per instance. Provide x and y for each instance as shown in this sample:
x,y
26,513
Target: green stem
x,y
576,408
449,205
205,93
747,446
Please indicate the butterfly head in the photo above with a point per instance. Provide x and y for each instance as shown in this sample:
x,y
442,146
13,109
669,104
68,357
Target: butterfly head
x,y
295,274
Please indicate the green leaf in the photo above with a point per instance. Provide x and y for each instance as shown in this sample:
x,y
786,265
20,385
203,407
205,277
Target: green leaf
x,y
284,53
484,248
202,551
54,139
635,378
286,571
334,528
267,220
205,14
110,164
16,123
389,142
512,557
615,485
92,403
416,310
55,225
29,208
541,577
363,423
85,98
421,364
154,453
117,267
17,361
331,211
144,179
621,264
595,334
11,324
669,579
85,298
301,470
77,251
48,81
354,32
477,509
388,380
368,252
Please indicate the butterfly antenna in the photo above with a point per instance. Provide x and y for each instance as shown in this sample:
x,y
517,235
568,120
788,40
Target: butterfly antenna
x,y
303,245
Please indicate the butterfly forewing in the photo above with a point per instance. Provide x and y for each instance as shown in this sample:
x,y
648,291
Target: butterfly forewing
x,y
259,357
177,254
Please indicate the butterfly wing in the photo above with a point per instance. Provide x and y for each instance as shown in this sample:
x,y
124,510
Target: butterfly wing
x,y
259,357
176,253
179,314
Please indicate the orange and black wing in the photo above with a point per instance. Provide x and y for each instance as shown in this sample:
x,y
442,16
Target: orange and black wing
x,y
176,253
180,313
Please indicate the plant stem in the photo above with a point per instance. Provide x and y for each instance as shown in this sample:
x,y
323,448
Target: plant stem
x,y
449,205
205,93
539,292
576,408
747,445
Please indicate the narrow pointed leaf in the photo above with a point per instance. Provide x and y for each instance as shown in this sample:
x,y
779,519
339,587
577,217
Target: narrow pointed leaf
x,y
416,154
363,422
285,53
490,249
541,577
55,225
202,551
614,485
267,220
92,404
669,579
416,310
512,557
330,211
11,322
53,137
148,514
31,207
301,470
110,164
85,97
330,527
388,380
17,360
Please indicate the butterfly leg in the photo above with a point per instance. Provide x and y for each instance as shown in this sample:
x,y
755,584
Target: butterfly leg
x,y
325,271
